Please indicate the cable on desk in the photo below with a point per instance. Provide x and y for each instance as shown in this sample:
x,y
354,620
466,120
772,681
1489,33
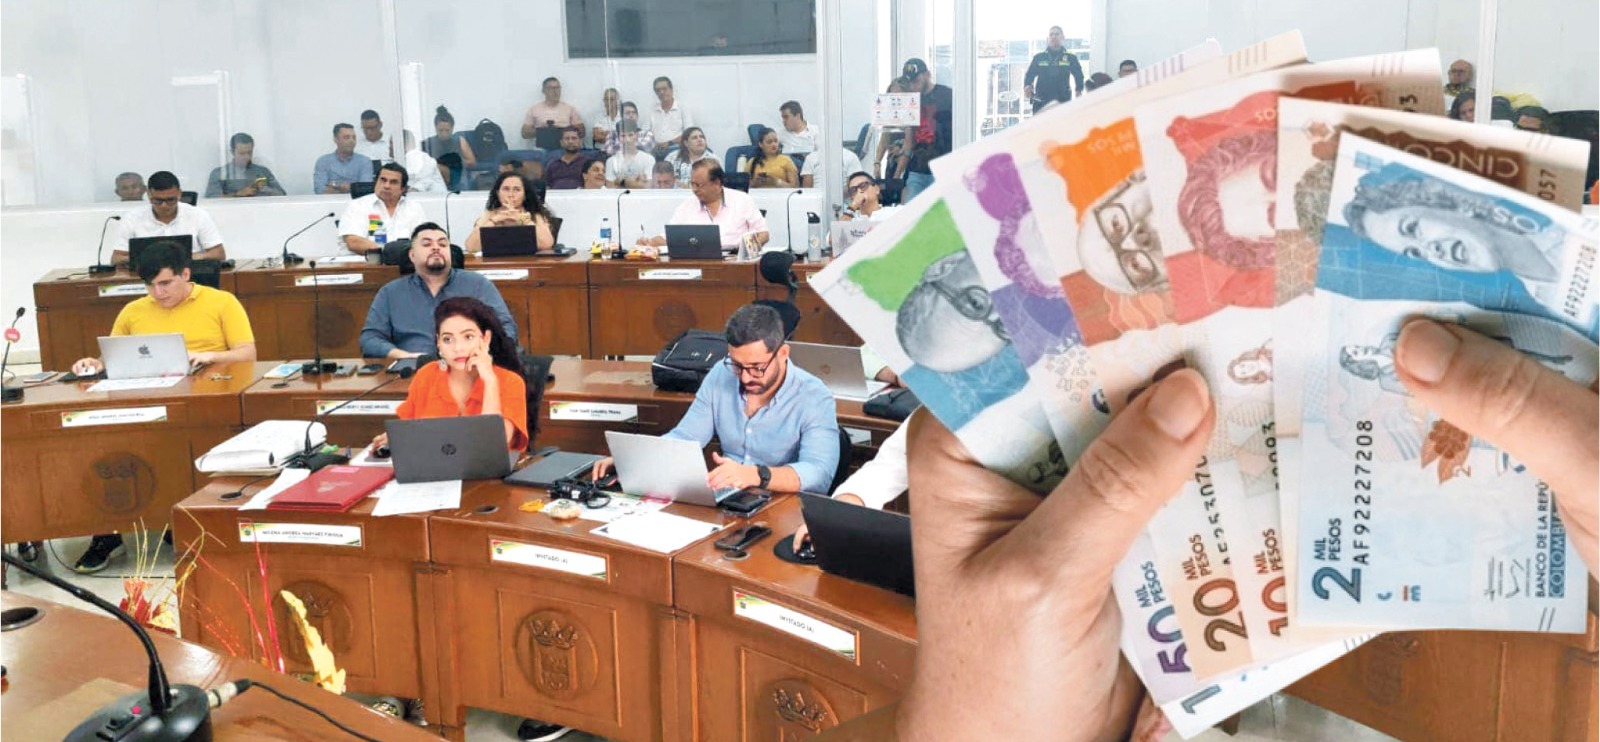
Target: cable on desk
x,y
312,709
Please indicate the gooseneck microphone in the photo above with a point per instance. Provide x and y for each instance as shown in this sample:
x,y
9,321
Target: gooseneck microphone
x,y
8,391
290,258
447,195
316,365
100,267
312,460
788,217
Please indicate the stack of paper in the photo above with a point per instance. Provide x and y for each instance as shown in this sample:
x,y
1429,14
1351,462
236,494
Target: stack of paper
x,y
265,446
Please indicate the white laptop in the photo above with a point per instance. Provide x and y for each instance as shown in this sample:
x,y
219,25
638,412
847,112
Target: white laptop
x,y
144,356
839,367
663,469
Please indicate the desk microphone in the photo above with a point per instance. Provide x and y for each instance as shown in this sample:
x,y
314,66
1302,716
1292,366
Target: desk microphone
x,y
314,461
788,217
290,258
9,392
170,713
316,365
620,232
447,195
99,266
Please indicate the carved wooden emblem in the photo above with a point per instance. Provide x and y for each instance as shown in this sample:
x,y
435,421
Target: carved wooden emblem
x,y
1384,670
326,611
335,327
557,654
121,482
799,711
672,318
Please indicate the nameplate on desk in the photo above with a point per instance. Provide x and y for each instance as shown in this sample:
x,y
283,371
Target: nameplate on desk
x,y
360,407
796,624
342,260
671,274
602,411
502,274
114,416
560,560
122,289
331,279
317,534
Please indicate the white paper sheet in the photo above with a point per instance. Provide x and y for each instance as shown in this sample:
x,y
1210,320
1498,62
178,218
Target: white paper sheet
x,y
128,385
619,507
395,498
287,479
365,459
657,531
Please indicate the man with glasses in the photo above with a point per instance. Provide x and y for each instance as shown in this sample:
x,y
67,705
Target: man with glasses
x,y
668,118
862,192
776,423
168,216
1460,77
733,211
374,144
550,112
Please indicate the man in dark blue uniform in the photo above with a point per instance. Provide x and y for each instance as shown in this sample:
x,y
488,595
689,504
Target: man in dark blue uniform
x,y
1054,75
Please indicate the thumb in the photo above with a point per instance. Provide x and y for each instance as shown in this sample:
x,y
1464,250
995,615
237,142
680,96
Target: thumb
x,y
1494,392
717,458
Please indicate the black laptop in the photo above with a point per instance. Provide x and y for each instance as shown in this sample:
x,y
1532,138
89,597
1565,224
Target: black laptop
x,y
509,242
548,138
440,449
694,241
860,543
137,246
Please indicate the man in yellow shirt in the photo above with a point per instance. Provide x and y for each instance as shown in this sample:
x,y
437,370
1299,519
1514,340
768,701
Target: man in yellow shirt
x,y
213,324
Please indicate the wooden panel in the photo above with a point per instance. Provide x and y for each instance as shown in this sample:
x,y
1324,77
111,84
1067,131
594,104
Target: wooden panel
x,y
551,305
284,315
298,397
634,316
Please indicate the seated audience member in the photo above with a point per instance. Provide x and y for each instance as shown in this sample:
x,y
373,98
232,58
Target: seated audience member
x,y
732,210
668,118
400,321
550,111
630,112
168,216
808,171
513,202
694,149
629,167
1465,106
770,168
606,118
776,422
1532,118
479,372
335,171
533,170
214,326
423,172
663,175
446,142
876,483
796,136
130,187
862,192
1459,79
1128,67
382,216
374,143
1096,81
566,172
242,177
594,176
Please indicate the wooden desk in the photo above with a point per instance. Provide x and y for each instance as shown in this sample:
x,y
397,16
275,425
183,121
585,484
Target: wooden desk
x,y
301,396
359,584
750,681
68,647
818,323
283,314
75,309
78,463
548,296
636,308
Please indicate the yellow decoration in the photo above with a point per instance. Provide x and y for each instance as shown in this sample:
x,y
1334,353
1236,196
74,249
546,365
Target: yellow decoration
x,y
326,675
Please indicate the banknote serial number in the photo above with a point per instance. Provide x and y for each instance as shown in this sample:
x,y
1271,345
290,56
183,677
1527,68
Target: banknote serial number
x,y
1330,549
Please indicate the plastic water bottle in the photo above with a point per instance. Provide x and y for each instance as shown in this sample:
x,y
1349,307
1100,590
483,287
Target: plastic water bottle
x,y
605,233
814,237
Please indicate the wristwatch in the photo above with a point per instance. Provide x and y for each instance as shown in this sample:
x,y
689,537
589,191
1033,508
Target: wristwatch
x,y
765,474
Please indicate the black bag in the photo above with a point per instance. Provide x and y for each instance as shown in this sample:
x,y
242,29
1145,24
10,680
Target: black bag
x,y
684,363
488,141
892,404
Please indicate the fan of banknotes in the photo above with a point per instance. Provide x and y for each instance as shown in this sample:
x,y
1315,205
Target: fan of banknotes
x,y
1271,223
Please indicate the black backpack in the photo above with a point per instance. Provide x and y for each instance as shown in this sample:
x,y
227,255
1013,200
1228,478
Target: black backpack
x,y
488,141
892,404
684,363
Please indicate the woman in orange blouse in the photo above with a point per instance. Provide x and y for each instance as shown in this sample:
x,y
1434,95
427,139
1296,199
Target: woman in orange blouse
x,y
478,373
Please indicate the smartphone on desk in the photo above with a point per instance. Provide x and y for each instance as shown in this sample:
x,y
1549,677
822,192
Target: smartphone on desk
x,y
747,501
370,369
40,378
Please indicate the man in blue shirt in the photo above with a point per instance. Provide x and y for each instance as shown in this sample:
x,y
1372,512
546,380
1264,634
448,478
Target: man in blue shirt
x,y
776,423
335,171
400,320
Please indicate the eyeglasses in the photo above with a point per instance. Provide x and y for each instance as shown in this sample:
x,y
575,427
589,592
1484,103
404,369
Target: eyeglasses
x,y
972,302
1138,254
757,370
166,200
857,188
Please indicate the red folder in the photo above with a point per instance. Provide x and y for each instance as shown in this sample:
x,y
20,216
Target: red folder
x,y
332,489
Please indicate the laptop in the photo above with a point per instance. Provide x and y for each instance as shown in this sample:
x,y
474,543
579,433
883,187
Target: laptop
x,y
144,356
440,449
548,469
137,246
548,138
694,241
839,367
507,242
860,543
362,188
663,469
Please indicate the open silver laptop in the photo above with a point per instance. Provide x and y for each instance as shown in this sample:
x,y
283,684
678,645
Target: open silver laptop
x,y
144,356
663,468
838,366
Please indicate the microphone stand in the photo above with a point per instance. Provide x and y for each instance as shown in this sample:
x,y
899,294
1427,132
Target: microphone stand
x,y
10,392
620,251
314,461
290,258
99,267
316,365
788,218
447,195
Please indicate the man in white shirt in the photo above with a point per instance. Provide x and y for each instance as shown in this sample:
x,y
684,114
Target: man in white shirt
x,y
422,170
796,136
372,221
668,118
862,193
813,164
374,143
168,216
550,111
732,210
629,168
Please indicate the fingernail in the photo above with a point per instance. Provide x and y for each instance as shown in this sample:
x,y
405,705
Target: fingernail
x,y
1425,350
1179,404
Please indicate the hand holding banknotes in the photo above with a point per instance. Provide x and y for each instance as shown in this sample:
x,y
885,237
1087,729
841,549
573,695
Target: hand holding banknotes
x,y
1498,394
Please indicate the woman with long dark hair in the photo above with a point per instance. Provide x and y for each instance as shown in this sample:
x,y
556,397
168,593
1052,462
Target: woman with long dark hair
x,y
770,168
478,373
513,201
694,149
